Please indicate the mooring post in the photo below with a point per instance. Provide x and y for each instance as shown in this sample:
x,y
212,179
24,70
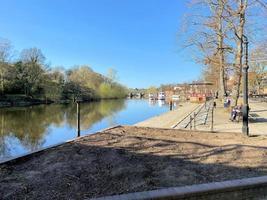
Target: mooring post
x,y
78,119
195,121
212,119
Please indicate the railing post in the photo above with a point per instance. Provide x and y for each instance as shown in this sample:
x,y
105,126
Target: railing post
x,y
212,119
195,121
78,119
190,122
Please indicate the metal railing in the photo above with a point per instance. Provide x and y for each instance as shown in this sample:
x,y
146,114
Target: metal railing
x,y
199,116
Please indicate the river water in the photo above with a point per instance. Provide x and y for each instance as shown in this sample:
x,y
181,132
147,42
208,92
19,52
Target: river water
x,y
28,129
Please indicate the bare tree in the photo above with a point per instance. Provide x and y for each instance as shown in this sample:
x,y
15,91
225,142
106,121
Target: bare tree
x,y
218,9
5,55
237,19
34,69
258,68
32,55
238,13
209,36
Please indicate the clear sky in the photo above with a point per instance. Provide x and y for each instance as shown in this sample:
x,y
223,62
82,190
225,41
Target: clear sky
x,y
138,38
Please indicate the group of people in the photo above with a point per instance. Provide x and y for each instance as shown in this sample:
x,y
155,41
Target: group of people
x,y
236,111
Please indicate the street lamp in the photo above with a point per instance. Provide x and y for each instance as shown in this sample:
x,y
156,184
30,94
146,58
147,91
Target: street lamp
x,y
245,128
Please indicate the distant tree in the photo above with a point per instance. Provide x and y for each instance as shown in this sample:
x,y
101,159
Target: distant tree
x,y
258,67
20,78
83,82
5,55
112,75
85,77
33,69
107,90
30,75
32,55
152,90
53,84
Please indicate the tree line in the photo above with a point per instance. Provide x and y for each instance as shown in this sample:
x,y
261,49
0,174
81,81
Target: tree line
x,y
31,76
218,29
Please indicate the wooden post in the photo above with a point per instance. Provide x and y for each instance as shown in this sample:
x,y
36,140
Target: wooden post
x,y
195,121
78,119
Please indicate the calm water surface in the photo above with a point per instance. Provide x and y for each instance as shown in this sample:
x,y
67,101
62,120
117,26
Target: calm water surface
x,y
27,129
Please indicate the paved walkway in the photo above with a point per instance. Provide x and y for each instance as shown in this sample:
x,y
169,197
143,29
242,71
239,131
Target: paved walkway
x,y
257,120
257,123
169,119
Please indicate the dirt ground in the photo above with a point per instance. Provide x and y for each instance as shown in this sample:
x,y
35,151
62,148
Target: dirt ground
x,y
129,159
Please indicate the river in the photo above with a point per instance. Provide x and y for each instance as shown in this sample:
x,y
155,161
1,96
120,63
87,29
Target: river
x,y
26,129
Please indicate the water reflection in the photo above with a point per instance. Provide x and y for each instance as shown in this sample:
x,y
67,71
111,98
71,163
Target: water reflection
x,y
161,103
93,112
27,127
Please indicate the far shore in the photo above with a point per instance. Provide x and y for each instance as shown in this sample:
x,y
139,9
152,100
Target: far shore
x,y
22,101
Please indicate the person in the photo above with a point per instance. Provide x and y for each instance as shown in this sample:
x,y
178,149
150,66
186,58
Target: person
x,y
228,102
239,112
225,103
216,95
214,104
234,113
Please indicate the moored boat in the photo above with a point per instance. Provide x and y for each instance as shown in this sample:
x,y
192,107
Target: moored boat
x,y
161,96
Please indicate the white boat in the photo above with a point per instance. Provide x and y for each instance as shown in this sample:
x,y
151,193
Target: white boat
x,y
161,96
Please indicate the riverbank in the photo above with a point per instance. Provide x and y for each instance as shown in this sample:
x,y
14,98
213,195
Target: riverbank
x,y
131,159
20,101
24,101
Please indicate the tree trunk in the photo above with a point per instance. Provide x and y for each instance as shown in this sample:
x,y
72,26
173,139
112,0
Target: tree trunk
x,y
220,38
239,51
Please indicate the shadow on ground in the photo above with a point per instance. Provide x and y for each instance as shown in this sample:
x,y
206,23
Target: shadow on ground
x,y
114,163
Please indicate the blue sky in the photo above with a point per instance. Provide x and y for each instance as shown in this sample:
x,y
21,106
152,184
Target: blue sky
x,y
138,38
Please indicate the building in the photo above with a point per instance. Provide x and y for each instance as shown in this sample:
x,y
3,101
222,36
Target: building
x,y
200,91
195,92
